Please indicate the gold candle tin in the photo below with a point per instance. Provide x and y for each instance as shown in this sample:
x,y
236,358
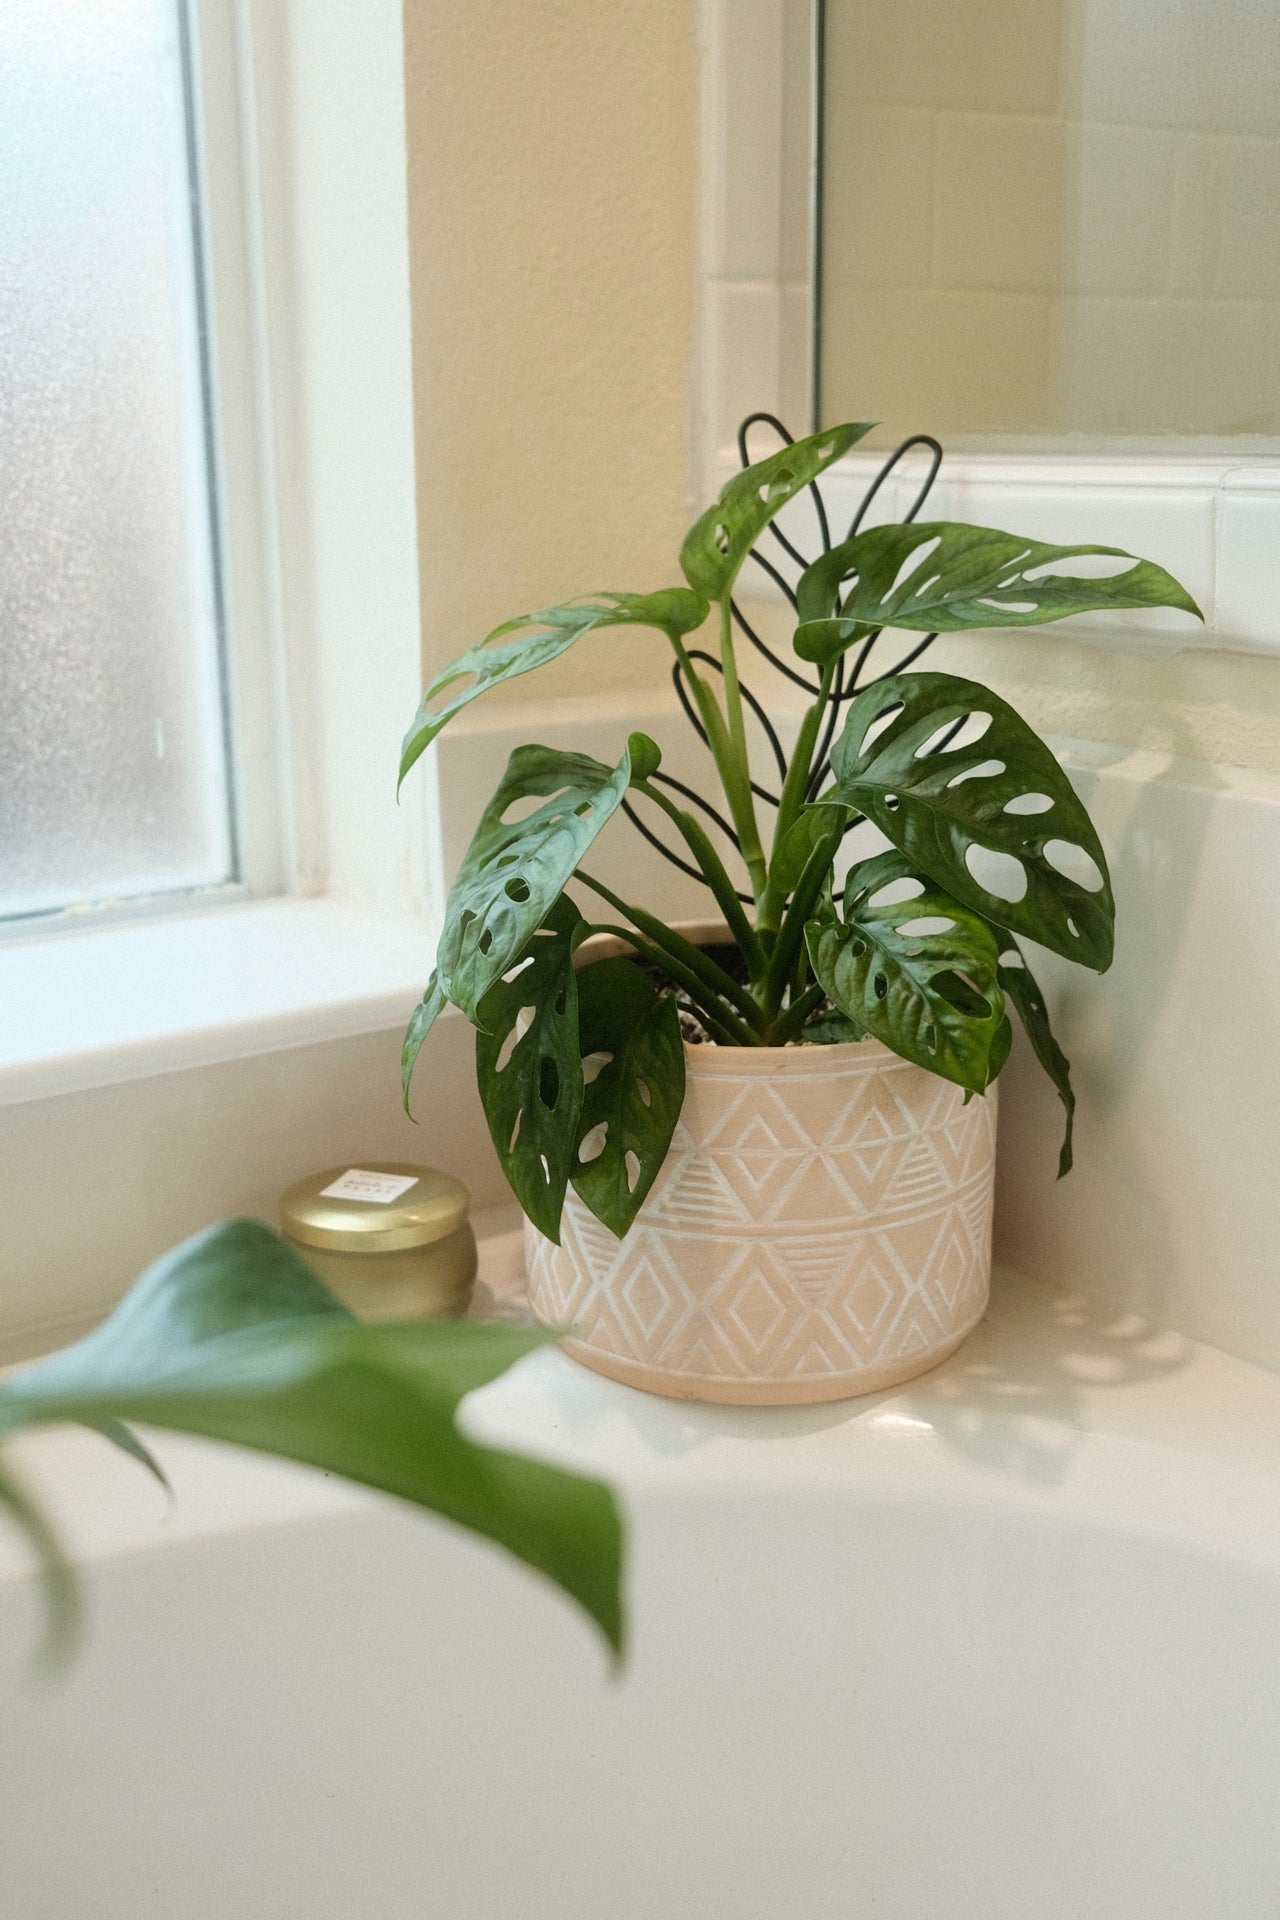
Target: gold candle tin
x,y
393,1241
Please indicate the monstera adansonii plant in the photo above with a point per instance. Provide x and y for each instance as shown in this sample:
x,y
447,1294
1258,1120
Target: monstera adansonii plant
x,y
581,1071
980,843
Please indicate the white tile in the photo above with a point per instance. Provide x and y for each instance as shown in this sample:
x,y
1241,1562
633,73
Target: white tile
x,y
1235,382
744,325
1176,1060
1133,364
796,192
987,55
1248,261
1180,64
1248,587
795,385
1226,205
1195,225
878,216
1129,364
1119,194
940,359
999,217
743,140
844,492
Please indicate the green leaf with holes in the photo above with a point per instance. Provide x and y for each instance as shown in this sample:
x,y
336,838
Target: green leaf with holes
x,y
719,541
1001,1047
949,805
942,577
531,1080
830,1028
232,1336
543,636
515,871
928,991
1020,987
792,854
631,1105
421,1021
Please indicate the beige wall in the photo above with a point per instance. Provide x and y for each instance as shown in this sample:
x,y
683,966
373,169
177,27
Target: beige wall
x,y
552,175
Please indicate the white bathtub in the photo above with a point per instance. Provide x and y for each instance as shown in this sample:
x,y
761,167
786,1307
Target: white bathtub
x,y
1002,1645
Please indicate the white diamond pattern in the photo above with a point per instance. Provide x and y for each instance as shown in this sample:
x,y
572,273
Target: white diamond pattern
x,y
823,1222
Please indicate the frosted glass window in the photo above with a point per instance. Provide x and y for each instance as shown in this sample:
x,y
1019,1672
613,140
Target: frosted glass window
x,y
1053,217
113,758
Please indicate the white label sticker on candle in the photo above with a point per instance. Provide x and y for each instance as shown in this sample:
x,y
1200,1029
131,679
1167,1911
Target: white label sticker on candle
x,y
356,1184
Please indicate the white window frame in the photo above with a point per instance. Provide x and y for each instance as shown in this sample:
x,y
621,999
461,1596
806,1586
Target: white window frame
x,y
302,140
302,105
1212,518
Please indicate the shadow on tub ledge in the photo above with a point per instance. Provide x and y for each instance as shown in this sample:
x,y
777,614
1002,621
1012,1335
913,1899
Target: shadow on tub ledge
x,y
1013,1400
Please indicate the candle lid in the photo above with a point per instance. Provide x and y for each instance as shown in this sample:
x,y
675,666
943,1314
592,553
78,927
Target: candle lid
x,y
381,1206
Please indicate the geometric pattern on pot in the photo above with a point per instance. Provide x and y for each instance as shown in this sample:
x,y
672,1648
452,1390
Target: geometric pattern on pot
x,y
821,1227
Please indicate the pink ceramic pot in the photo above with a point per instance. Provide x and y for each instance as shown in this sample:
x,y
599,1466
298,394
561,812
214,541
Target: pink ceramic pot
x,y
821,1228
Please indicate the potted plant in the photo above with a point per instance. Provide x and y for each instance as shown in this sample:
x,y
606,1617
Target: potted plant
x,y
756,1160
749,1152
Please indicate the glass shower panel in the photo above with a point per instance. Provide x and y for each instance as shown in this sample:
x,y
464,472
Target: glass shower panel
x,y
1053,218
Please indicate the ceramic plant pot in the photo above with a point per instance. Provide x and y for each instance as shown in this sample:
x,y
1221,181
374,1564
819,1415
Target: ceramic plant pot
x,y
821,1228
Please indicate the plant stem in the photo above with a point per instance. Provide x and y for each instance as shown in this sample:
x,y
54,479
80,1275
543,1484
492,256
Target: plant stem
x,y
788,1024
717,878
738,787
792,800
709,708
790,941
682,953
720,1021
728,748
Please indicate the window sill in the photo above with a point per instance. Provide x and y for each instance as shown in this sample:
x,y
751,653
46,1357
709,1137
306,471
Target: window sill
x,y
122,1003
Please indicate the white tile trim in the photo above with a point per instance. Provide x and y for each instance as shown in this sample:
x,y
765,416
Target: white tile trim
x,y
1215,525
758,94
